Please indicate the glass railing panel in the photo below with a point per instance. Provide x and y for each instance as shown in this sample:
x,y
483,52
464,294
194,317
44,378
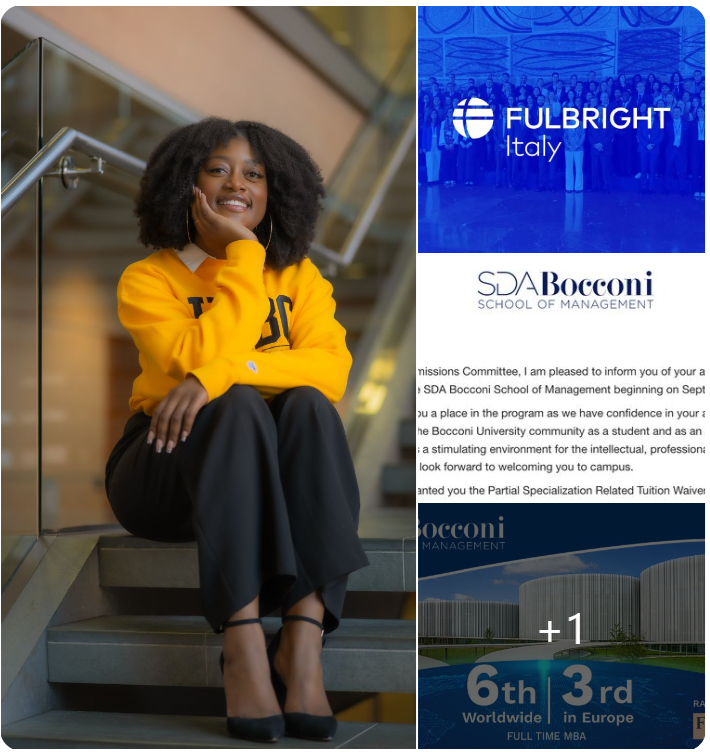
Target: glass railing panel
x,y
80,96
357,286
373,35
90,235
20,463
88,361
380,385
368,156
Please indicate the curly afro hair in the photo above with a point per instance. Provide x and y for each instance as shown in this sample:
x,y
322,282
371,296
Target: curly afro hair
x,y
294,182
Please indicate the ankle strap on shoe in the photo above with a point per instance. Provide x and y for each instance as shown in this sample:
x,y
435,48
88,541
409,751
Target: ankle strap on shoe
x,y
241,621
305,618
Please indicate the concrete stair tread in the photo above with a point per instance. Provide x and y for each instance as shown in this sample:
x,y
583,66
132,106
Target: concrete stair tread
x,y
376,524
408,433
122,540
382,522
354,288
126,561
399,478
353,318
363,655
398,634
77,729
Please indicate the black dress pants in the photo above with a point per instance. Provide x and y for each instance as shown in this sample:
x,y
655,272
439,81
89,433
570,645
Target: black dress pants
x,y
268,491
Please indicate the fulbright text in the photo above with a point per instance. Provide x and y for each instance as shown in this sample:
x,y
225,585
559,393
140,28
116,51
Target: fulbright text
x,y
600,117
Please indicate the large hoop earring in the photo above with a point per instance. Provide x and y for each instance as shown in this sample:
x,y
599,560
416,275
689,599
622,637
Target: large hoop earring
x,y
187,224
271,231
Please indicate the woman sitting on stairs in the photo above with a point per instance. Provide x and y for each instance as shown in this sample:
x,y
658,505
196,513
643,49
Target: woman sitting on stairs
x,y
234,441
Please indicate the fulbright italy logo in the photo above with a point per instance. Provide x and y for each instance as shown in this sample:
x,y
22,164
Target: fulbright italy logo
x,y
473,118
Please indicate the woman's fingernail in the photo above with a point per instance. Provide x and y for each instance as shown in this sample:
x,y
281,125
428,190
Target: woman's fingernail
x,y
169,447
184,435
150,437
159,446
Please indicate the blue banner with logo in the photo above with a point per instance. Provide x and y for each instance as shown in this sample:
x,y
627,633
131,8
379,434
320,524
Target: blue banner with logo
x,y
561,625
654,710
564,129
453,537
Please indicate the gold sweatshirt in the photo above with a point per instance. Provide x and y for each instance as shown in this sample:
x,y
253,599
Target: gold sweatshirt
x,y
230,321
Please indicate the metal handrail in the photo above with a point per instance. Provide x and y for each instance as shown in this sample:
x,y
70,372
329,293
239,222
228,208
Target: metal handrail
x,y
374,201
48,156
386,89
69,138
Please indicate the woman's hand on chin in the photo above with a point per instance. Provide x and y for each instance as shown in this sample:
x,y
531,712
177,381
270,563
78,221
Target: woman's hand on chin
x,y
175,414
216,232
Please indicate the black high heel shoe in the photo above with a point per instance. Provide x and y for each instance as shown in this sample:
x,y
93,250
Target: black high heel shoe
x,y
268,729
317,728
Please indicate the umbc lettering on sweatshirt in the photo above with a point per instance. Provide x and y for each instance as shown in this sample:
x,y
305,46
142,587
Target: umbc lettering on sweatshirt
x,y
277,325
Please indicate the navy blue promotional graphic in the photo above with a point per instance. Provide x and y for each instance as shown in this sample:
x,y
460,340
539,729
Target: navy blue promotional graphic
x,y
561,626
561,129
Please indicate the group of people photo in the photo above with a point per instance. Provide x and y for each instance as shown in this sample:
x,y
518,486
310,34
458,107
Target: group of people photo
x,y
666,157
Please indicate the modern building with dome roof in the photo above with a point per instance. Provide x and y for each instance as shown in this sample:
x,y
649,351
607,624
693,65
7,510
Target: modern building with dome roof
x,y
602,600
664,607
468,618
673,600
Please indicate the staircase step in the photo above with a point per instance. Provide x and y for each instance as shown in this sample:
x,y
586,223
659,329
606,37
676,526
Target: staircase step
x,y
362,655
78,729
408,433
383,522
79,242
356,289
113,216
353,317
126,561
398,480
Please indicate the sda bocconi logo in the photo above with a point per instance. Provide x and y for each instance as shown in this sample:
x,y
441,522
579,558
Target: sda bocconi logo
x,y
477,119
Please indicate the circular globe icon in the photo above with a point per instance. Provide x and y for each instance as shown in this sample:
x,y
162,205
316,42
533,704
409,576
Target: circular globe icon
x,y
473,118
